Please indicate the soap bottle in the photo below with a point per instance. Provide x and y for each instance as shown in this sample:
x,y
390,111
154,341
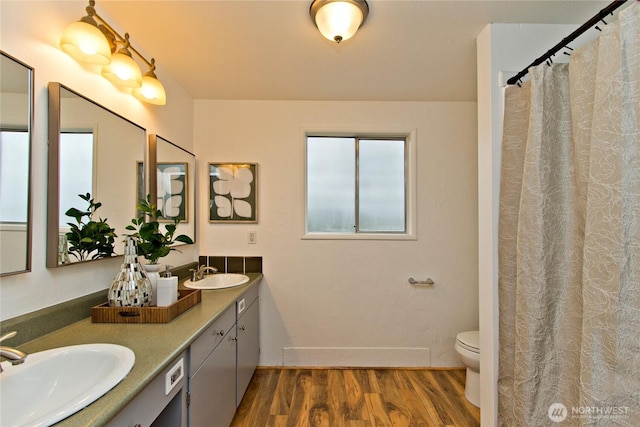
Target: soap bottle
x,y
167,289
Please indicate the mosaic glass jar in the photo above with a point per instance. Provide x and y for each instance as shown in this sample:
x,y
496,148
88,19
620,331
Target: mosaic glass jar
x,y
131,287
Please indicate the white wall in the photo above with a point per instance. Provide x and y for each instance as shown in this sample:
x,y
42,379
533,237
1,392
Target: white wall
x,y
30,32
348,302
501,47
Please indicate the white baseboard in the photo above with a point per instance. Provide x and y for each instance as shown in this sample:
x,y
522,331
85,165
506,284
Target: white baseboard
x,y
356,357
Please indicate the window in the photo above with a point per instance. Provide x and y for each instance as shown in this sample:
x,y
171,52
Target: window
x,y
77,153
14,176
357,186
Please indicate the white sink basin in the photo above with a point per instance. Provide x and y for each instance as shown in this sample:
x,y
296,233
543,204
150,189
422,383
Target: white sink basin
x,y
218,281
54,384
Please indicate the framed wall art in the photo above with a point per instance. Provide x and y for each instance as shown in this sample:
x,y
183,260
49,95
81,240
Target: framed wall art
x,y
233,192
172,191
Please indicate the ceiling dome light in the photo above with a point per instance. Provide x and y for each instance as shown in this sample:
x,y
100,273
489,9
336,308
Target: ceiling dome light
x,y
151,91
85,42
338,20
123,71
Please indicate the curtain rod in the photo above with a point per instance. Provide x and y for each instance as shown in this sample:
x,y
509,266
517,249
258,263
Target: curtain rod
x,y
571,37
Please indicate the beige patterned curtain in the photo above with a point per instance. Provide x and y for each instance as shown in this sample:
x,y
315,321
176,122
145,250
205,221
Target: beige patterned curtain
x,y
569,238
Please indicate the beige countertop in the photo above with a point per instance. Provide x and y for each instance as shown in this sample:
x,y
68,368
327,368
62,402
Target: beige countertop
x,y
155,346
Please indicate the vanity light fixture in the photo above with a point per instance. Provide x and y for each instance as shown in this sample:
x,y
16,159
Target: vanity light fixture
x,y
338,20
90,42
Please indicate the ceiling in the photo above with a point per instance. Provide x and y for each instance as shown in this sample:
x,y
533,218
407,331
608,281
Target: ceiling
x,y
407,50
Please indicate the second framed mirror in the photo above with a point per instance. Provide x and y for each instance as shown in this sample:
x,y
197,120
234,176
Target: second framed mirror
x,y
95,159
173,189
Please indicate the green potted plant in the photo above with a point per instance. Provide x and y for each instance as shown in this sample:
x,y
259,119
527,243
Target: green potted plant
x,y
91,239
152,242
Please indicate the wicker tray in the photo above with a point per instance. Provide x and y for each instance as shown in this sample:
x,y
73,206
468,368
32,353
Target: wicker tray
x,y
104,314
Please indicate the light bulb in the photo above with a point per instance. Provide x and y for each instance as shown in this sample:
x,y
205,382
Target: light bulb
x,y
84,42
123,71
151,91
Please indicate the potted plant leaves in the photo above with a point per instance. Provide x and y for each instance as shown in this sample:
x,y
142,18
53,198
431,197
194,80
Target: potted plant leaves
x,y
91,239
152,242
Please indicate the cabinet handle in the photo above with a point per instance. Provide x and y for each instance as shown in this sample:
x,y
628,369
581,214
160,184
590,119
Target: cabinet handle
x,y
234,339
220,332
241,328
429,281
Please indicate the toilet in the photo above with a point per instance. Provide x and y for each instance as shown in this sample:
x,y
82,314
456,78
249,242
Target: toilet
x,y
468,349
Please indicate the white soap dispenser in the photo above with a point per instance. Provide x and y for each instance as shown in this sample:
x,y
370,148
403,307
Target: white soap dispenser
x,y
167,289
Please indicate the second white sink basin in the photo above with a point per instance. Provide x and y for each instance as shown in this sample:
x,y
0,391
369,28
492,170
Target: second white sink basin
x,y
218,281
53,384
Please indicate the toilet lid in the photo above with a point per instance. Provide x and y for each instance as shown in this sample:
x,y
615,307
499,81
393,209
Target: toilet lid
x,y
470,340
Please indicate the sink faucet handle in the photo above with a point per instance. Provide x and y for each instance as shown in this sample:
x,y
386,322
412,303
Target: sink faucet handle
x,y
199,275
8,335
15,356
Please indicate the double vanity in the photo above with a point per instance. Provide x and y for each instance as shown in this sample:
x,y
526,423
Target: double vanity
x,y
192,371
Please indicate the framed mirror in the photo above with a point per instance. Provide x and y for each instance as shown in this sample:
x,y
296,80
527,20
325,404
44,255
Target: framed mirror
x,y
173,190
94,151
16,122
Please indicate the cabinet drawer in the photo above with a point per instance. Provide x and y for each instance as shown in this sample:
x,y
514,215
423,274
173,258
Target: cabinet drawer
x,y
245,301
204,345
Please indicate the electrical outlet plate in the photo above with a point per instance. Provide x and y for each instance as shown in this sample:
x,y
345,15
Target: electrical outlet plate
x,y
173,377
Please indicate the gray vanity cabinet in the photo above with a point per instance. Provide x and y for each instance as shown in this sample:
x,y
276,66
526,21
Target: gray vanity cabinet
x,y
248,343
222,361
212,374
162,403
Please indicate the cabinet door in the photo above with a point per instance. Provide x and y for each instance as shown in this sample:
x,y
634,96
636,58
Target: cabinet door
x,y
248,347
211,388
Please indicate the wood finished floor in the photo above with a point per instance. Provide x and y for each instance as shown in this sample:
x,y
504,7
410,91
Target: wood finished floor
x,y
356,398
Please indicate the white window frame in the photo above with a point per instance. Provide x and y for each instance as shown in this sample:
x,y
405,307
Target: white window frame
x,y
410,187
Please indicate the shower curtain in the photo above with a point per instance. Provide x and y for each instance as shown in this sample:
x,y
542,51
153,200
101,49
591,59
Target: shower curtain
x,y
569,238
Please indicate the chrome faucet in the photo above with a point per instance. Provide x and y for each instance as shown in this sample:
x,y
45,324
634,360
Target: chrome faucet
x,y
199,274
15,356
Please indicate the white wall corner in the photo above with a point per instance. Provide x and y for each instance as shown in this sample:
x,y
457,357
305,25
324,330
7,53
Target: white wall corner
x,y
487,256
